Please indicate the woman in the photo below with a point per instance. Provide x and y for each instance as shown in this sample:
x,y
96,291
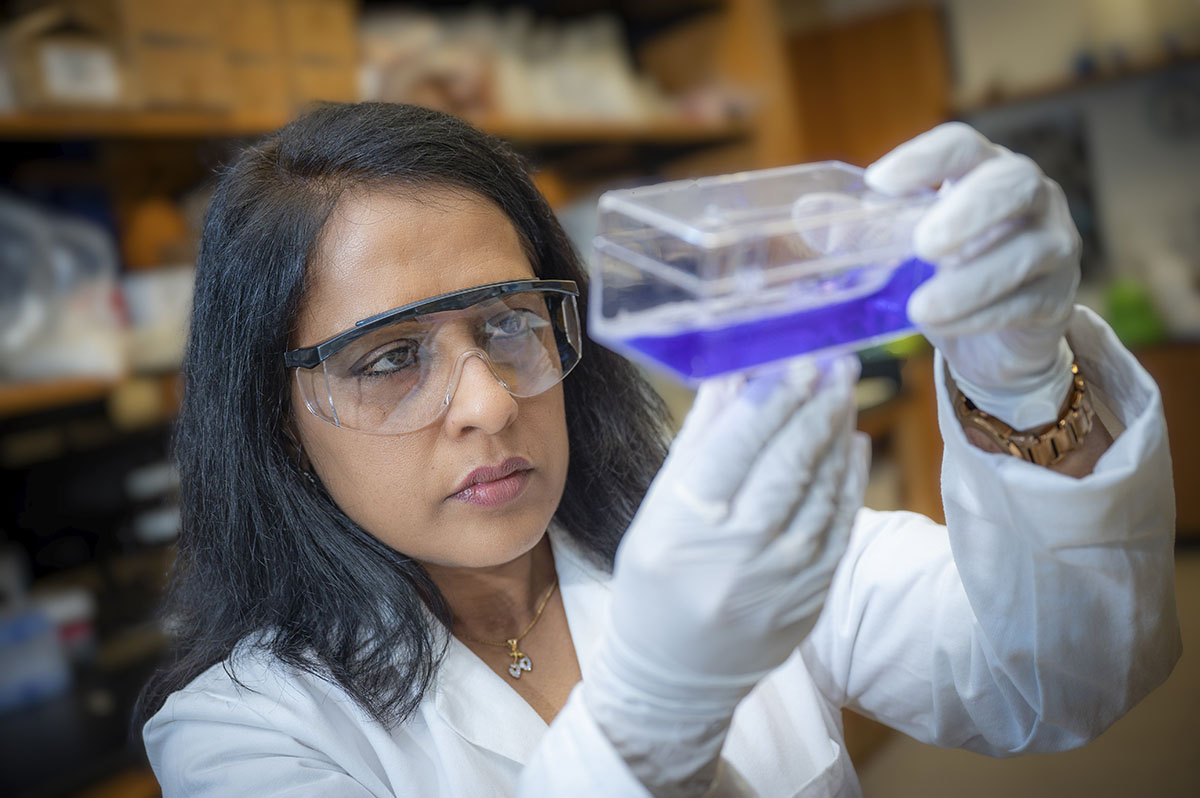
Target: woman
x,y
404,488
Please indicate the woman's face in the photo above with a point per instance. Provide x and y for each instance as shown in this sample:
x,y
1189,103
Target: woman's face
x,y
379,251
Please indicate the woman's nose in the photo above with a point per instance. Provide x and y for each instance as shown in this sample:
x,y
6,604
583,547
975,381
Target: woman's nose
x,y
479,401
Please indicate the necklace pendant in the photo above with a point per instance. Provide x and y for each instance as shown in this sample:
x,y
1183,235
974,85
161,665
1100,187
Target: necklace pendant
x,y
522,664
520,661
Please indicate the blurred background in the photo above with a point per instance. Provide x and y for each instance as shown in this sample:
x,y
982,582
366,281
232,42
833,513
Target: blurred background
x,y
116,114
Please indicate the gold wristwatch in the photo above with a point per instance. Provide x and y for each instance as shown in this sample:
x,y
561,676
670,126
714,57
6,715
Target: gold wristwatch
x,y
1043,445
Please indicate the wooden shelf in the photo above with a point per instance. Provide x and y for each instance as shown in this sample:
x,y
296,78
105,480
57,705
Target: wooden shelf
x,y
29,397
35,396
665,131
39,125
43,125
1102,77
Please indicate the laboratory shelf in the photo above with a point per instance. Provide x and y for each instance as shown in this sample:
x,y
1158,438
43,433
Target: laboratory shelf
x,y
161,390
570,131
1101,77
21,398
50,125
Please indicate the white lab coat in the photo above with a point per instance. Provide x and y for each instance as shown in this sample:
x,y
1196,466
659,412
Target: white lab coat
x,y
1038,616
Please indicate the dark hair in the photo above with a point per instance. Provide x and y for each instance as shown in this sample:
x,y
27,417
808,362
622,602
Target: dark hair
x,y
264,553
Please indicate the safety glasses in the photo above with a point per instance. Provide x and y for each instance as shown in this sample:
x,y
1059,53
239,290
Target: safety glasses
x,y
397,371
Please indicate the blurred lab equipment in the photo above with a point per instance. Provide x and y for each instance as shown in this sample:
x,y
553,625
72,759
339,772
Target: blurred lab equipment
x,y
1173,279
157,302
486,64
66,55
58,311
33,665
34,662
25,283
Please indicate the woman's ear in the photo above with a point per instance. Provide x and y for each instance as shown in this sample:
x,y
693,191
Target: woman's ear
x,y
294,448
292,444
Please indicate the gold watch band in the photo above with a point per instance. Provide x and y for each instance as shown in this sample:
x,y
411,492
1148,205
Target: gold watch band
x,y
1044,445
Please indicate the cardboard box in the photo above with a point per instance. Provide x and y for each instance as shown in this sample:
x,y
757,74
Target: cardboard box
x,y
316,82
260,87
254,28
320,30
182,77
321,43
65,56
169,21
177,52
257,62
258,57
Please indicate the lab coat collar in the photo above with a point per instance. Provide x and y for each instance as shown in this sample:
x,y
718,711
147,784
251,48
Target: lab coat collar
x,y
586,593
482,707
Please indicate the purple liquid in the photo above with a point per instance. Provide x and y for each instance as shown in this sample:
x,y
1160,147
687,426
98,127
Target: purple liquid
x,y
696,354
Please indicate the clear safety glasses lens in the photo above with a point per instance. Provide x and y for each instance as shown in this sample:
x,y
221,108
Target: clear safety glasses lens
x,y
401,377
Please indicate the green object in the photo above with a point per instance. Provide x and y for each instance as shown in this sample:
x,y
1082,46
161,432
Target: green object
x,y
1131,313
907,346
899,349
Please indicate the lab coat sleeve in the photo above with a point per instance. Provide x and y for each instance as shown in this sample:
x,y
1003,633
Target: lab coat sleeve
x,y
576,758
1041,613
206,743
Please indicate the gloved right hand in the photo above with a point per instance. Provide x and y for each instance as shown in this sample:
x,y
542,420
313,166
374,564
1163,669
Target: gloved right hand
x,y
1008,267
726,565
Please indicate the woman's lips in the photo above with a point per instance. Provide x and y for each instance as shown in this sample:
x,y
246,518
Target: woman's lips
x,y
493,486
496,492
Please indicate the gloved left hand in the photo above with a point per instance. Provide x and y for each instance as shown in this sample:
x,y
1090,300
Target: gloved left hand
x,y
1007,254
725,568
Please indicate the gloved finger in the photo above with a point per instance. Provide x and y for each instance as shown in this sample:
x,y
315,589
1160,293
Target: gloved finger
x,y
850,498
781,477
711,398
806,593
788,559
710,469
947,152
1039,302
1005,188
804,537
954,294
807,525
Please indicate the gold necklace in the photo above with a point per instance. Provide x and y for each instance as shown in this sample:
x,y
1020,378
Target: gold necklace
x,y
520,660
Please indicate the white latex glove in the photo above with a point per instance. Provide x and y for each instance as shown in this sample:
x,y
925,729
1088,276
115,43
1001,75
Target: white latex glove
x,y
724,570
1008,266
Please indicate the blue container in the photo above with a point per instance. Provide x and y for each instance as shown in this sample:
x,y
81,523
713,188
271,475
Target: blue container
x,y
704,277
33,666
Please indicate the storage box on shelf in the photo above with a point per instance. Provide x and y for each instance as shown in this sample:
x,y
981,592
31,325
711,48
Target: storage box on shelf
x,y
732,55
256,58
238,60
67,56
321,48
177,53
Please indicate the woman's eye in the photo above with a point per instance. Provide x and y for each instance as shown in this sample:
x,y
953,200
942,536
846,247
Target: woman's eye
x,y
513,324
400,356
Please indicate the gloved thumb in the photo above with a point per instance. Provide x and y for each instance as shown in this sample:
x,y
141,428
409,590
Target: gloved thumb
x,y
947,152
